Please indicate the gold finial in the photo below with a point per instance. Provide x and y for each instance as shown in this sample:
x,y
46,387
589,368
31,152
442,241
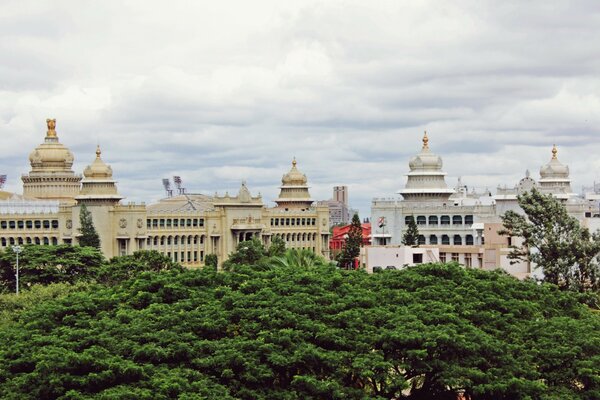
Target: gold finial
x,y
554,152
294,162
425,141
51,123
98,152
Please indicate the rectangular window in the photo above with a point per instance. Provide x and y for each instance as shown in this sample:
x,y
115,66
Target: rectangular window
x,y
442,257
20,224
54,224
455,257
201,222
46,224
11,224
418,258
3,224
29,224
176,223
468,260
169,222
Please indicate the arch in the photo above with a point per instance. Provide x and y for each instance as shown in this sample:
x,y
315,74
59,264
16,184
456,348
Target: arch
x,y
155,240
433,220
457,220
469,240
421,220
54,241
408,218
445,220
288,237
457,240
162,240
46,241
433,239
421,239
3,242
445,239
36,240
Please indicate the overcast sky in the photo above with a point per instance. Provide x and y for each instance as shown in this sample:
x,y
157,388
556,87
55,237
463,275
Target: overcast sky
x,y
224,91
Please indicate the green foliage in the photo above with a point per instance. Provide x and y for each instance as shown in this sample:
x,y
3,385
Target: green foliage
x,y
426,332
277,247
352,244
411,235
89,237
125,267
553,240
299,258
211,262
49,264
249,252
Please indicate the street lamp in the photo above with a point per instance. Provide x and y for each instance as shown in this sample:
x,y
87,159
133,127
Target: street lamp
x,y
17,250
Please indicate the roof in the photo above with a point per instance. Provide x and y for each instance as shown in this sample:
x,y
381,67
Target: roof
x,y
182,203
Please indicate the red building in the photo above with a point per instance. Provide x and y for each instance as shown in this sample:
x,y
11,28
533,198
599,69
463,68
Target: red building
x,y
338,237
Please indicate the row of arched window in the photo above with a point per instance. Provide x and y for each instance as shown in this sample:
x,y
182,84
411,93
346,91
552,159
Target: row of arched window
x,y
293,221
174,240
297,237
174,223
435,220
445,239
29,224
12,241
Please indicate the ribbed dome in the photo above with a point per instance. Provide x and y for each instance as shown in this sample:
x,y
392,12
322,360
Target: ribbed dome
x,y
554,169
51,155
425,160
98,168
294,177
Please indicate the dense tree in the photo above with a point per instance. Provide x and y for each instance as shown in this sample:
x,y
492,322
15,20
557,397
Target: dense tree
x,y
249,252
211,262
554,241
50,264
411,235
352,244
89,237
125,267
277,247
426,332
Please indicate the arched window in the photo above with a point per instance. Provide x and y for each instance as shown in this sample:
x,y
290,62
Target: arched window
x,y
421,239
408,218
421,220
3,242
433,239
162,240
36,240
445,220
468,220
445,239
46,241
469,240
457,240
54,241
433,220
456,220
155,240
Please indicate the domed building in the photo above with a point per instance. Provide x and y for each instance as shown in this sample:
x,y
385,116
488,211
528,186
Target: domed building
x,y
51,176
98,186
294,194
185,228
426,180
554,178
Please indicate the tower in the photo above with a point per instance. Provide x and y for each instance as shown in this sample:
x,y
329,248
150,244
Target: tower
x,y
51,176
294,194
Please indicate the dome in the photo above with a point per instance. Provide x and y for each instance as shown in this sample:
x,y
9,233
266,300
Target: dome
x,y
294,177
425,160
98,168
554,169
51,154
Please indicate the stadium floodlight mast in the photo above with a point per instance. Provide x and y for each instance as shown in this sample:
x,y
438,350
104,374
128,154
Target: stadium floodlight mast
x,y
17,250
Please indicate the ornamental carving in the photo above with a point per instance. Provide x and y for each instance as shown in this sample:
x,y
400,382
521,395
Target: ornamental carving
x,y
140,223
123,223
69,224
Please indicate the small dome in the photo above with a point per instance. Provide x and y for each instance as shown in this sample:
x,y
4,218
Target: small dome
x,y
554,169
426,160
51,154
294,177
98,168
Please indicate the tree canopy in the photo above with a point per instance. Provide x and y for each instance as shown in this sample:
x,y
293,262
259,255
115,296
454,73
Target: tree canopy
x,y
566,252
426,332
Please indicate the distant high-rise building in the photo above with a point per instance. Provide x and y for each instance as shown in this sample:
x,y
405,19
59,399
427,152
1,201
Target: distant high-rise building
x,y
340,193
339,212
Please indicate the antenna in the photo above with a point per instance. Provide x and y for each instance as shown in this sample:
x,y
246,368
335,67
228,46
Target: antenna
x,y
167,186
179,184
2,181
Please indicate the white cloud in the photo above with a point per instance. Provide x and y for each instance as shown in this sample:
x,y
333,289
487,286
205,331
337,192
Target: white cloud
x,y
222,91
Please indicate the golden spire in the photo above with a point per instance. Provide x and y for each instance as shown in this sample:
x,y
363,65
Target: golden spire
x,y
98,152
425,141
554,152
294,162
51,123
